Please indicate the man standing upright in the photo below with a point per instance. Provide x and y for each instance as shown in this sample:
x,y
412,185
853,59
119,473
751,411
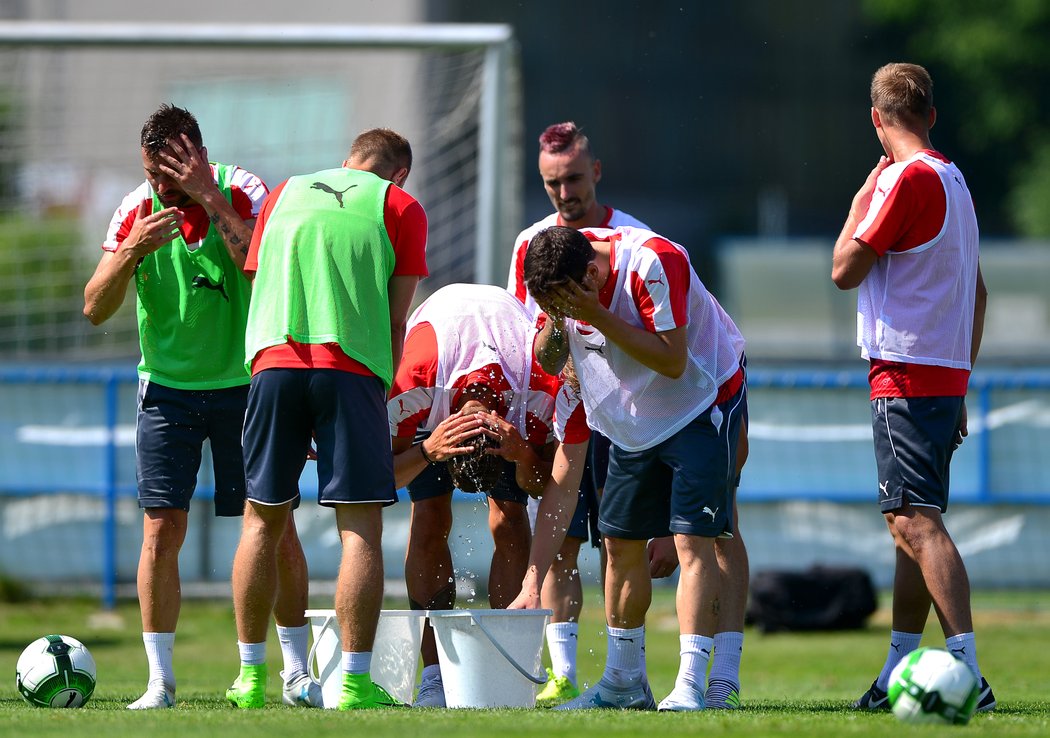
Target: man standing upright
x,y
182,236
336,256
910,244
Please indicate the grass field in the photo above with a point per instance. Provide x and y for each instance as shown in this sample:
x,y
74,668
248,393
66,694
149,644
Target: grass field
x,y
796,684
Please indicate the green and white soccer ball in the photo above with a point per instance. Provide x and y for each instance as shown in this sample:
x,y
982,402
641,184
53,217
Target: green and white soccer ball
x,y
929,685
55,671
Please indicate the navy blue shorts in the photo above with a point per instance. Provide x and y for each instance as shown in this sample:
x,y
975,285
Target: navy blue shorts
x,y
346,413
681,485
914,443
171,428
436,481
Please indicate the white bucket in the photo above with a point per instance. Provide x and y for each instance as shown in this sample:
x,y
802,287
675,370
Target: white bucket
x,y
395,654
490,658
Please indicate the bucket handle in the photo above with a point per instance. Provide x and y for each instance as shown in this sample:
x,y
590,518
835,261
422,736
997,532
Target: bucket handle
x,y
541,679
311,661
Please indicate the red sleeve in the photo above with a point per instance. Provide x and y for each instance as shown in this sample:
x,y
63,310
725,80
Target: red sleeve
x,y
911,214
519,271
663,289
241,203
125,226
406,224
412,391
251,263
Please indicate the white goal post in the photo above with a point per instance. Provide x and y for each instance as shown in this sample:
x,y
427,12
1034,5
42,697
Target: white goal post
x,y
73,95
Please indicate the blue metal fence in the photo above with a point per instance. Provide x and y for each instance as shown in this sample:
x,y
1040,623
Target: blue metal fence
x,y
71,429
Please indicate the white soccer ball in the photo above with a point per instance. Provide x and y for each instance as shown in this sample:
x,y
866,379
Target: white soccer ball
x,y
930,685
55,671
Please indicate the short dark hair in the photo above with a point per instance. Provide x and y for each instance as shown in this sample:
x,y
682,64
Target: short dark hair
x,y
383,147
556,255
902,93
168,122
561,138
477,471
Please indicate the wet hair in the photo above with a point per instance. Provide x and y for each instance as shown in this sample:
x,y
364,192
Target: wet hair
x,y
555,256
168,122
477,471
903,94
562,138
386,149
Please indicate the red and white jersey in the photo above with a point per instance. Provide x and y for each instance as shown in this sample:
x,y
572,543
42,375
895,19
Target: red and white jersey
x,y
652,286
570,416
516,277
916,305
465,334
247,193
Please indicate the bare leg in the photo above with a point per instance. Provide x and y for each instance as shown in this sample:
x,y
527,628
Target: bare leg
x,y
920,536
159,590
293,579
697,600
359,589
255,569
562,589
428,564
509,524
628,587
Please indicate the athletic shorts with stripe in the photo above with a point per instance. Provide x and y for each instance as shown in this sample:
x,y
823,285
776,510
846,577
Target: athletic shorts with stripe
x,y
343,411
171,428
914,443
681,485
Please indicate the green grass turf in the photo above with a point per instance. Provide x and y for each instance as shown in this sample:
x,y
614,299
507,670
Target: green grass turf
x,y
794,684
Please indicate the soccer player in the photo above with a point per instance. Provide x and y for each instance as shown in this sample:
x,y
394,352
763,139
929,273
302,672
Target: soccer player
x,y
570,174
182,237
910,244
658,362
468,375
336,256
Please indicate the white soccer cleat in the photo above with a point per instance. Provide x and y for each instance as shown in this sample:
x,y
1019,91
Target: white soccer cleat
x,y
431,694
301,691
157,697
683,698
605,695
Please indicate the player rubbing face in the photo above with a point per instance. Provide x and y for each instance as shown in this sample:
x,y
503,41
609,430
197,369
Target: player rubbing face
x,y
168,190
569,178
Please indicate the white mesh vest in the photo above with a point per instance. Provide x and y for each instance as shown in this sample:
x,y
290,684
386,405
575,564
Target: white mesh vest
x,y
626,401
617,219
916,306
478,325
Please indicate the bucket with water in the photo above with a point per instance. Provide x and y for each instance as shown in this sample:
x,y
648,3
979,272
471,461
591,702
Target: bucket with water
x,y
490,658
395,654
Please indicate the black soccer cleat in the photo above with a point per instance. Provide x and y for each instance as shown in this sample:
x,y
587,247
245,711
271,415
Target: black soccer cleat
x,y
877,699
986,700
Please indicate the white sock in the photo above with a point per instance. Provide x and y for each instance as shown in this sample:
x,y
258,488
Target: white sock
x,y
357,662
160,649
901,644
295,647
252,653
695,652
725,664
623,665
561,643
964,647
431,673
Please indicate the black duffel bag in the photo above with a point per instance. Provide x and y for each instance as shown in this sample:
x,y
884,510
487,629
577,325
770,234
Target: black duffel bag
x,y
822,598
